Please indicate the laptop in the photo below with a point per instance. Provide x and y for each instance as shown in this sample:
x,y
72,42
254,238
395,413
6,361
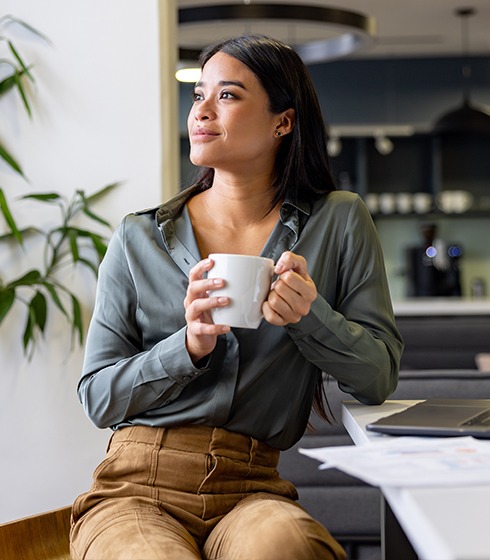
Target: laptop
x,y
438,417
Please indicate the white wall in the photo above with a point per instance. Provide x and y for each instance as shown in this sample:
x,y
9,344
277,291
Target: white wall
x,y
96,120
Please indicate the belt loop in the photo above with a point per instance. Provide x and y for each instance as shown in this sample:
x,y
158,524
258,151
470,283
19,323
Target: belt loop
x,y
213,439
110,441
160,437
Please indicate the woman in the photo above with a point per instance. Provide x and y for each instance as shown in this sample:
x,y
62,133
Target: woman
x,y
200,411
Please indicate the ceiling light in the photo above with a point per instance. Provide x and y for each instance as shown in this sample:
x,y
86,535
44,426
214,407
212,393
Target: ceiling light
x,y
188,74
339,32
467,118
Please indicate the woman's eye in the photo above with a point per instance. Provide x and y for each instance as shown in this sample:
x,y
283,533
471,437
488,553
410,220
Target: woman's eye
x,y
227,95
196,96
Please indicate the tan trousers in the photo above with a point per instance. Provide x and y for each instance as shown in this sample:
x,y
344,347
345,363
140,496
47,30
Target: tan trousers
x,y
193,492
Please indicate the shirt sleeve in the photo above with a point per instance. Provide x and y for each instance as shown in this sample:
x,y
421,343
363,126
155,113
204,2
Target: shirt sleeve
x,y
355,338
121,379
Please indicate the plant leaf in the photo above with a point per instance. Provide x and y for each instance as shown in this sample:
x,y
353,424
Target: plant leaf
x,y
93,216
4,207
9,159
77,319
28,330
38,304
79,232
29,279
101,193
54,296
43,197
90,265
7,298
88,211
36,317
24,233
22,93
19,60
7,83
99,244
73,234
72,238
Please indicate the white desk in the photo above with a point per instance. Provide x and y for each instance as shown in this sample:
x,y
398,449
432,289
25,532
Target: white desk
x,y
440,523
438,306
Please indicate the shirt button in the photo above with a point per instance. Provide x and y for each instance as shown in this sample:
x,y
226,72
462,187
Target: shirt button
x,y
186,378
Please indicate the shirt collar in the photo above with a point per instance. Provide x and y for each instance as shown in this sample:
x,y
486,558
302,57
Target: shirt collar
x,y
173,207
293,216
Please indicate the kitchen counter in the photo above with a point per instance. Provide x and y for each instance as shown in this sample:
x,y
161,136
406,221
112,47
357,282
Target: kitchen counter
x,y
414,307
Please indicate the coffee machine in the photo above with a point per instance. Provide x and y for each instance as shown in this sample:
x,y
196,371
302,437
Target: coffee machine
x,y
433,267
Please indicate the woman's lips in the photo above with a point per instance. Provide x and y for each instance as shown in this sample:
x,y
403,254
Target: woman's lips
x,y
203,133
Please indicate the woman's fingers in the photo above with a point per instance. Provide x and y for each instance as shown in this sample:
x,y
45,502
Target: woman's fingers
x,y
202,333
292,261
292,293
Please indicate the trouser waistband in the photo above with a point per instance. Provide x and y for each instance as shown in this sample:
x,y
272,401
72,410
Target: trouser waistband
x,y
202,439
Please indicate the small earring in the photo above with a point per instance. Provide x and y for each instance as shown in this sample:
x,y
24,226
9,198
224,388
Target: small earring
x,y
278,133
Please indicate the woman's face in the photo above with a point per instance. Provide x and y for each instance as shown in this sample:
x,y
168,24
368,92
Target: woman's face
x,y
230,125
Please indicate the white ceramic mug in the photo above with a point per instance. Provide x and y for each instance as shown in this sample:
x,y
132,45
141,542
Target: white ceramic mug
x,y
247,283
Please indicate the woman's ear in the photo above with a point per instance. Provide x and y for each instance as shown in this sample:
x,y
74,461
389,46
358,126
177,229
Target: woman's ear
x,y
287,121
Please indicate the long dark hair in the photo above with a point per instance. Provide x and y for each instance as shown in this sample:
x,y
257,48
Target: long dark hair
x,y
302,167
302,170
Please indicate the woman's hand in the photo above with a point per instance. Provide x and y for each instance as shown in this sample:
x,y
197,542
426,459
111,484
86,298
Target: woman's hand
x,y
292,293
202,333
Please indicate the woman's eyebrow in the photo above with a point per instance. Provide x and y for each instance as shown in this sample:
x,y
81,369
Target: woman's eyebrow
x,y
232,83
224,83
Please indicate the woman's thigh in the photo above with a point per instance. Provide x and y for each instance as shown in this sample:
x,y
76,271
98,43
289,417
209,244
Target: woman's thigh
x,y
270,527
116,530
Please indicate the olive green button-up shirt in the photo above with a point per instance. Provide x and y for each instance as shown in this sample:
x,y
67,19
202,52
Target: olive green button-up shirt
x,y
257,382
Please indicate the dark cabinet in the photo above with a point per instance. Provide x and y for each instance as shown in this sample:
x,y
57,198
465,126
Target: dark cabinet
x,y
408,168
421,163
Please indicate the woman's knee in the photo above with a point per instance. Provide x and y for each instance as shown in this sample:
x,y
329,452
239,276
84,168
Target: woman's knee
x,y
131,534
271,528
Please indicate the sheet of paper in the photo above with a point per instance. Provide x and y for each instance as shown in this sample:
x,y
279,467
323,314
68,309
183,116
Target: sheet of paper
x,y
411,461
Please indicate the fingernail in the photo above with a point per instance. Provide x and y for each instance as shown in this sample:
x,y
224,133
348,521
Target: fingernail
x,y
222,300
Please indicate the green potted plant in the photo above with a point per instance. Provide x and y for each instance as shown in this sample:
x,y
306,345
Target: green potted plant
x,y
64,243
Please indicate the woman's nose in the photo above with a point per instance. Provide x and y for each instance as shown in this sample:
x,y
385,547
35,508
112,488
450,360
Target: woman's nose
x,y
203,111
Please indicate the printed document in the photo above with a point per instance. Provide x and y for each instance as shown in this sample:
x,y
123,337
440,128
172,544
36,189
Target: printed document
x,y
411,461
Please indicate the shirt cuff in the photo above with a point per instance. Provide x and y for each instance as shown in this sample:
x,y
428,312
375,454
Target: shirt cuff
x,y
175,359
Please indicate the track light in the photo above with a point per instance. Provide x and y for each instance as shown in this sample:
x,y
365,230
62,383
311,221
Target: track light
x,y
383,144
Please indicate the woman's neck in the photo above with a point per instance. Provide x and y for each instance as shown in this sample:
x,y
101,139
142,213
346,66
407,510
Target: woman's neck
x,y
233,218
245,202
